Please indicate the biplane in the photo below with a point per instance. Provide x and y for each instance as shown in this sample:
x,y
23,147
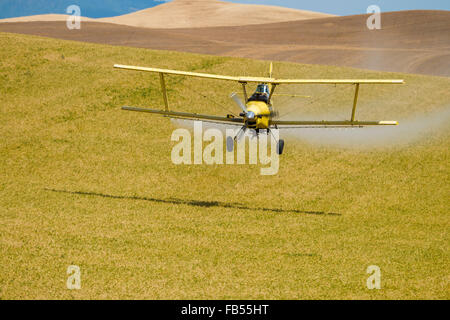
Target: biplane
x,y
258,111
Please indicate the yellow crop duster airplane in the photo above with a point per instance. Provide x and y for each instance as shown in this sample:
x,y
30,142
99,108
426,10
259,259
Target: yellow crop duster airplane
x,y
257,111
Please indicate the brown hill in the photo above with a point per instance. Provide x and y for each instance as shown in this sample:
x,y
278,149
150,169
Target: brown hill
x,y
209,13
194,14
43,17
410,41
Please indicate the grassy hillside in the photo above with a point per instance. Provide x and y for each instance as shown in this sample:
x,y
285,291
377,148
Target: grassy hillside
x,y
83,183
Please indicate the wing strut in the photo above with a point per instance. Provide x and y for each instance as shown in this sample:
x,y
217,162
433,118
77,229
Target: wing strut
x,y
272,91
164,90
355,102
244,87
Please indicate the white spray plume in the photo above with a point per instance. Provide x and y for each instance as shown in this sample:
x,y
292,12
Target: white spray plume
x,y
408,131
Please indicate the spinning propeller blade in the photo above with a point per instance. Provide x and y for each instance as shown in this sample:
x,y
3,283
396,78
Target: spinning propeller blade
x,y
238,101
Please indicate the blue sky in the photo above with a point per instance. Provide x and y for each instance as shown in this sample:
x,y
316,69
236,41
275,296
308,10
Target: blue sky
x,y
347,7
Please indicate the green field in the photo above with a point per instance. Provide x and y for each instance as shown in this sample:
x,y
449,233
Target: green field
x,y
84,183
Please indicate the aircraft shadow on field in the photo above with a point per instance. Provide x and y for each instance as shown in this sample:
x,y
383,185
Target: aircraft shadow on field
x,y
196,203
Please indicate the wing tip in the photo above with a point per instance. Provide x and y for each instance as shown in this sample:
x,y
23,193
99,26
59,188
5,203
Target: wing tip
x,y
389,123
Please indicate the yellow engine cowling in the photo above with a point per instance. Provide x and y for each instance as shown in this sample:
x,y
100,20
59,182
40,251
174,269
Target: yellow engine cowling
x,y
262,112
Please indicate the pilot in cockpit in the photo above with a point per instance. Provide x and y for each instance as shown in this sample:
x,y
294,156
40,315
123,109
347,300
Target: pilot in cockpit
x,y
262,93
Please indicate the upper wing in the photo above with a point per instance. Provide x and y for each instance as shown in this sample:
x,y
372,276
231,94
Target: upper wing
x,y
261,79
188,116
180,73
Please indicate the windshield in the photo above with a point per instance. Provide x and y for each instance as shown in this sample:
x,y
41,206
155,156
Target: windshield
x,y
261,94
262,88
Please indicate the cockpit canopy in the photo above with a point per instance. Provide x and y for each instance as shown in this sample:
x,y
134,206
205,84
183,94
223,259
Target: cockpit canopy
x,y
262,93
263,89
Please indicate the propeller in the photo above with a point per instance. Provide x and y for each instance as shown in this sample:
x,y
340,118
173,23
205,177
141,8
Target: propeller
x,y
275,114
247,114
238,101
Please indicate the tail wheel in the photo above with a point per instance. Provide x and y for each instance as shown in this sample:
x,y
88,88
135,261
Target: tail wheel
x,y
280,147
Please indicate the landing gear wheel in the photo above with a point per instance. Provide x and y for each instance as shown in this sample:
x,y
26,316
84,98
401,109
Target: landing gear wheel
x,y
280,147
230,144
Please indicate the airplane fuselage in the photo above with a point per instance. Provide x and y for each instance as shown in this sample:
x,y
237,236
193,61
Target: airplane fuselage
x,y
259,108
262,115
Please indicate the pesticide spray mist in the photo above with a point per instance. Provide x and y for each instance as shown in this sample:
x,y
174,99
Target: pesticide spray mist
x,y
409,131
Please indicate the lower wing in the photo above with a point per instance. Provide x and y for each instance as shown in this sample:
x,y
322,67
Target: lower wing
x,y
277,123
189,116
321,124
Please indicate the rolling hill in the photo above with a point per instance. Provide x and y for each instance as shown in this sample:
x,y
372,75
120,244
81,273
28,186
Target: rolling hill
x,y
210,13
192,14
84,183
410,41
43,17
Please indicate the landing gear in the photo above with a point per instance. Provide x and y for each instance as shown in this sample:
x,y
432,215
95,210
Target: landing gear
x,y
280,147
280,143
230,144
231,141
